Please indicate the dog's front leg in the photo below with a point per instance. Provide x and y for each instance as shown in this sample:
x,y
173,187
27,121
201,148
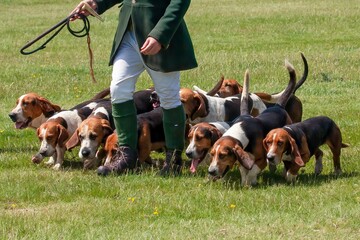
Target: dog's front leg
x,y
318,161
51,160
251,177
60,152
243,173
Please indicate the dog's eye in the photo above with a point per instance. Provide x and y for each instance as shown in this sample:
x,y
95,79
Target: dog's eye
x,y
279,143
268,143
221,156
81,137
92,136
197,138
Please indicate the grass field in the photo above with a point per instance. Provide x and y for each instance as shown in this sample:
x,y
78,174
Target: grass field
x,y
229,36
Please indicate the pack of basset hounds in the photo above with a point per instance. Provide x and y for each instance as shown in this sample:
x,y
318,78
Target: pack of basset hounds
x,y
226,126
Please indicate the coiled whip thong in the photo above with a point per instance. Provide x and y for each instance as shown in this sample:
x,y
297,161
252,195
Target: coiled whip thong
x,y
77,33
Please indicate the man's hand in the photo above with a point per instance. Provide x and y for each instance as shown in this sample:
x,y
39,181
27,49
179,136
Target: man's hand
x,y
82,10
151,46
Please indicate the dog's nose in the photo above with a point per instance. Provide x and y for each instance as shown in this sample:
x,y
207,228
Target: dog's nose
x,y
12,116
270,158
85,152
212,171
189,154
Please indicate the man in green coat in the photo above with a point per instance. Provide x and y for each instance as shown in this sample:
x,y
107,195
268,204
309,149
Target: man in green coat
x,y
151,36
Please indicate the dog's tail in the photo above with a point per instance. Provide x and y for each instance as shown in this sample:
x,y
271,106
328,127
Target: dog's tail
x,y
345,145
216,88
273,98
290,87
244,103
101,94
305,73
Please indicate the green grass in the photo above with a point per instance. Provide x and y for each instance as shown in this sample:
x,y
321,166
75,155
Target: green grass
x,y
229,37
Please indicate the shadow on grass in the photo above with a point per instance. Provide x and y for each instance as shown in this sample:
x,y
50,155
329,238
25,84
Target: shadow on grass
x,y
232,180
267,179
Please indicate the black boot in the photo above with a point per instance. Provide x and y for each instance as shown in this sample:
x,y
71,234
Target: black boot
x,y
124,159
173,161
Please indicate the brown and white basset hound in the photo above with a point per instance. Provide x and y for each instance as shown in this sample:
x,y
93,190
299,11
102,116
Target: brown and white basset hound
x,y
201,138
296,143
203,108
91,135
54,133
230,87
243,141
32,110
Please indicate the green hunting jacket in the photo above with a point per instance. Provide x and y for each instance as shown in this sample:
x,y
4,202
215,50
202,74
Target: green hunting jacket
x,y
162,20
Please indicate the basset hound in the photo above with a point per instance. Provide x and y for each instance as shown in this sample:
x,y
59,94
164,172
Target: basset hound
x,y
203,108
296,143
201,138
91,135
243,141
230,87
32,110
54,133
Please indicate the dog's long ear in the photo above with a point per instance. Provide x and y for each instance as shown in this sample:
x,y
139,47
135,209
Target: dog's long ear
x,y
107,129
63,136
38,131
243,157
264,142
73,141
295,152
48,108
201,110
215,135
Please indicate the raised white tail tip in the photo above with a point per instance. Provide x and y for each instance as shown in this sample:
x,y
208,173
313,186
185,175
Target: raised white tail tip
x,y
289,66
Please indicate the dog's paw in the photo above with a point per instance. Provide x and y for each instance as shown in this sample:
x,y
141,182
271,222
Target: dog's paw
x,y
50,162
318,167
56,167
290,178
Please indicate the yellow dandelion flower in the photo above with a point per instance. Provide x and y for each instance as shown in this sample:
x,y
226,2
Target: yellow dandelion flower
x,y
156,212
131,199
232,205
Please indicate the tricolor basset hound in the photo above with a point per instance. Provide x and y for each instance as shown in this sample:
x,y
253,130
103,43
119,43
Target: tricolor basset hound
x,y
230,87
54,133
296,143
201,138
203,108
91,135
243,141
